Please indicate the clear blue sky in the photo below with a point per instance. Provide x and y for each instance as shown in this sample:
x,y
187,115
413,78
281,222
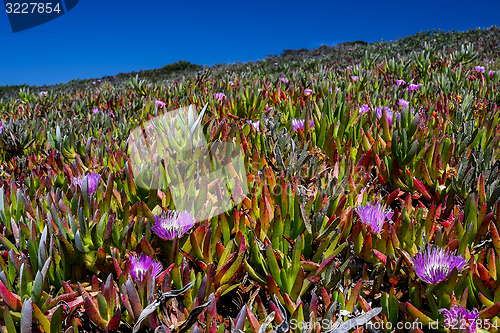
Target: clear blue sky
x,y
106,37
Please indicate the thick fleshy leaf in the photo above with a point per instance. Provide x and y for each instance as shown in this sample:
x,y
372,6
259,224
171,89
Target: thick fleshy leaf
x,y
12,300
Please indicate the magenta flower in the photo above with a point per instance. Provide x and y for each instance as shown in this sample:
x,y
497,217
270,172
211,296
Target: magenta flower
x,y
254,124
93,82
284,80
159,103
388,111
308,92
92,179
373,215
355,78
95,110
42,93
220,96
480,69
1,128
435,264
299,124
364,109
414,86
400,82
459,317
231,83
491,72
139,266
403,103
172,224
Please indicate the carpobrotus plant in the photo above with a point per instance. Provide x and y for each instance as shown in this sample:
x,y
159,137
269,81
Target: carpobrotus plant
x,y
298,124
139,266
93,181
374,215
459,319
300,244
433,264
172,224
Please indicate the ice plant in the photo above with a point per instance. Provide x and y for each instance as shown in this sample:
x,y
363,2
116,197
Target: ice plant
x,y
159,103
364,109
95,110
1,128
42,93
388,111
220,96
414,86
400,82
403,103
491,72
139,266
308,92
435,264
480,69
93,181
299,124
254,124
284,80
355,78
373,215
460,318
172,224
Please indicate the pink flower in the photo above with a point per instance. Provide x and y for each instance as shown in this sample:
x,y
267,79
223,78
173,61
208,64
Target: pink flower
x,y
284,80
461,316
308,92
95,110
414,86
434,264
364,109
374,215
159,103
172,224
491,72
92,181
388,111
254,124
231,83
220,96
480,69
354,78
298,124
400,82
403,103
139,266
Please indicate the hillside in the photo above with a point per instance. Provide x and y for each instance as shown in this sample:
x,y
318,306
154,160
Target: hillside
x,y
355,184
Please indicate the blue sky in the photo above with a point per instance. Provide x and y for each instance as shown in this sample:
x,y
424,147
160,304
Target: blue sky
x,y
106,37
